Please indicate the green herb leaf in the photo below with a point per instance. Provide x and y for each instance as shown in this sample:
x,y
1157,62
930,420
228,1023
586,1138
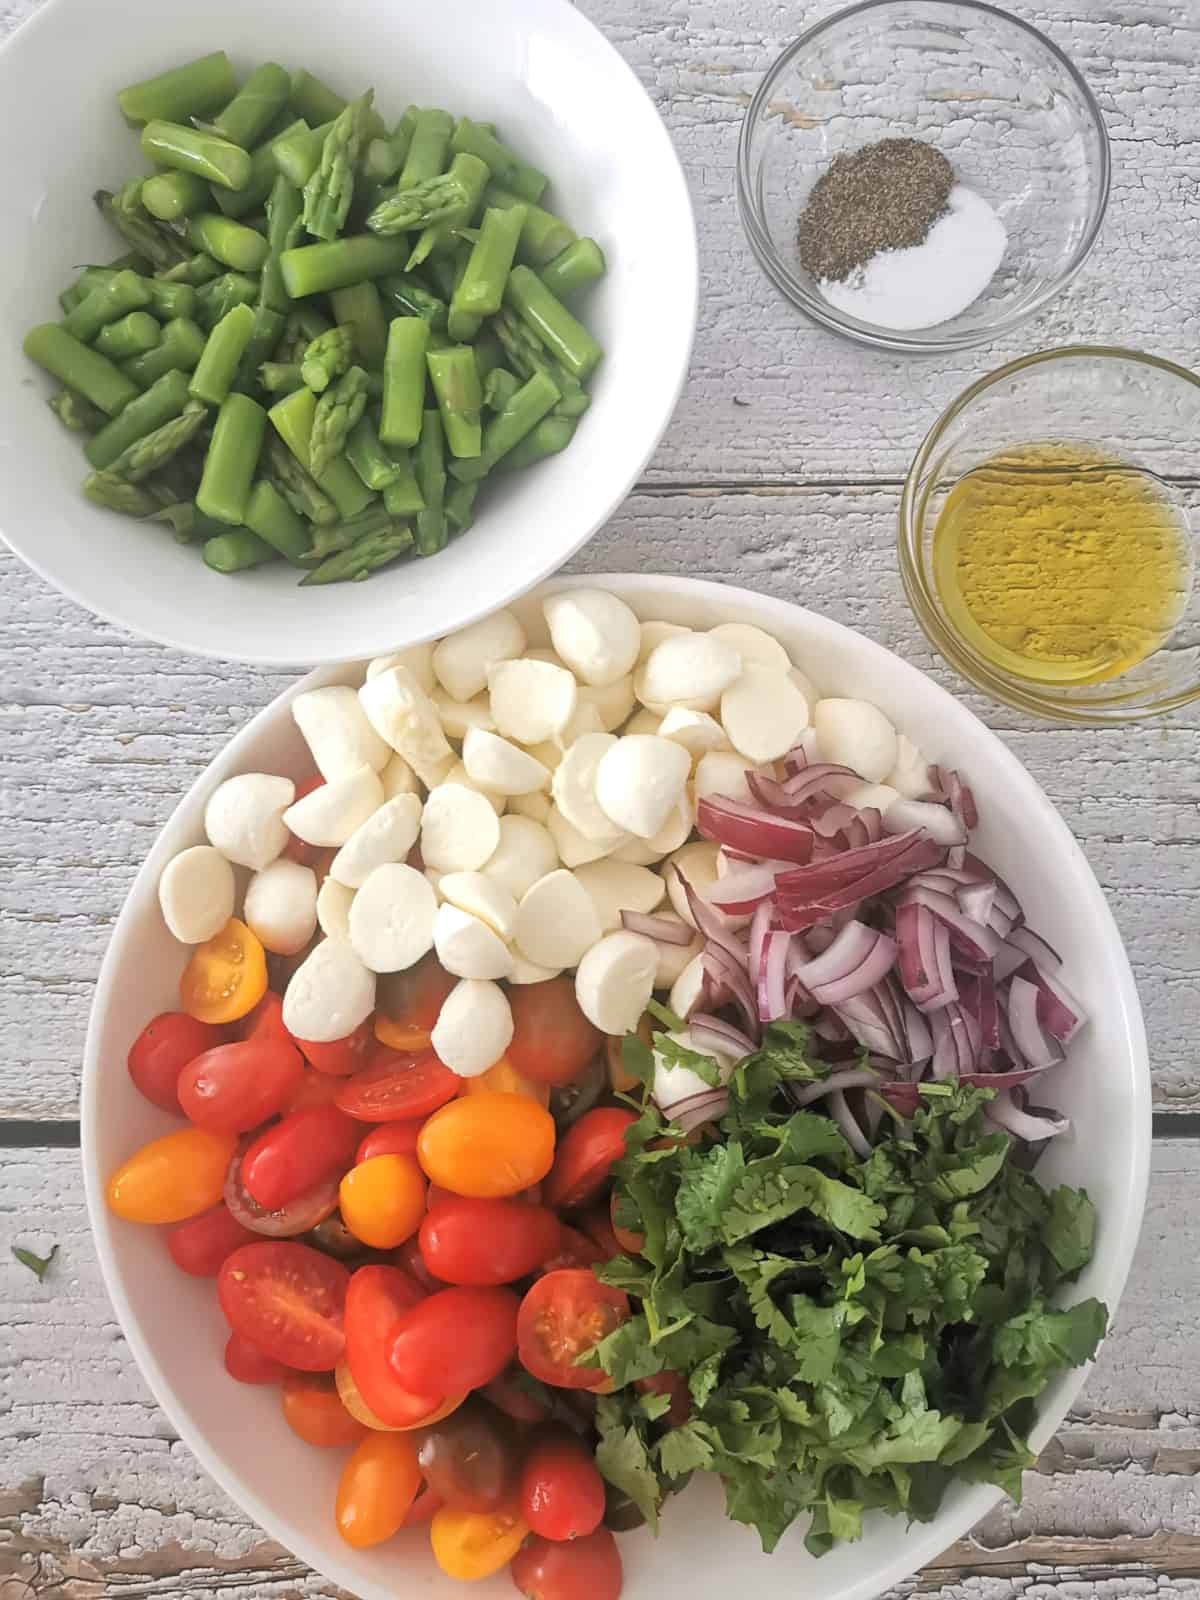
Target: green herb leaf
x,y
38,1265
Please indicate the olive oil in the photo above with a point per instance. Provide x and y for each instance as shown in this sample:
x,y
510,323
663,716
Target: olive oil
x,y
1062,565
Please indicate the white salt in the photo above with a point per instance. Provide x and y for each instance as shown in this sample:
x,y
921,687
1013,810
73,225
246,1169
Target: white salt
x,y
933,281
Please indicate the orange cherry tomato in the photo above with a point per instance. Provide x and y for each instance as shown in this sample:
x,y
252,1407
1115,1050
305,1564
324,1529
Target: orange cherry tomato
x,y
172,1178
504,1078
377,1488
226,976
408,1003
354,1403
313,1409
487,1146
630,1242
474,1544
552,1039
383,1200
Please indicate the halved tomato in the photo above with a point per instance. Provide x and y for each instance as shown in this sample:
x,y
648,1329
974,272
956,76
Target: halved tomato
x,y
288,1300
377,1299
397,1088
562,1316
408,1003
226,976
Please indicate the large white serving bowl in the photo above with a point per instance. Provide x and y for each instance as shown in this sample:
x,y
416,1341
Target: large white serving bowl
x,y
558,92
177,1332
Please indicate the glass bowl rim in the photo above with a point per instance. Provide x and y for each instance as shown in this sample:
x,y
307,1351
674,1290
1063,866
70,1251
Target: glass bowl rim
x,y
1009,692
870,333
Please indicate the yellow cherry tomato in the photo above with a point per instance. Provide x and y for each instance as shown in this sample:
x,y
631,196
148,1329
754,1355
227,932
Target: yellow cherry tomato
x,y
399,1036
358,1408
226,976
377,1486
504,1078
172,1178
383,1200
487,1146
474,1544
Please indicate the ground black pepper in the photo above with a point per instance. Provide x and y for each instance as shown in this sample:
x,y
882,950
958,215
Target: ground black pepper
x,y
885,196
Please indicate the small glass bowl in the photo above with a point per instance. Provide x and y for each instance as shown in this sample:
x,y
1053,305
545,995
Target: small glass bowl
x,y
1002,103
1137,409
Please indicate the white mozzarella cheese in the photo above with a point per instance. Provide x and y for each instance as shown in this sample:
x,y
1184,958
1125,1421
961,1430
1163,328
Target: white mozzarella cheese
x,y
387,835
524,854
640,780
691,670
556,921
337,732
244,818
333,909
497,764
404,715
753,645
461,660
417,659
764,714
391,918
531,700
615,981
855,734
480,896
459,829
474,1027
280,907
466,946
327,816
329,994
595,634
197,892
617,886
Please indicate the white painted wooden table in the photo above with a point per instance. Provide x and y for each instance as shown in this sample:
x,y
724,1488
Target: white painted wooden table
x,y
781,471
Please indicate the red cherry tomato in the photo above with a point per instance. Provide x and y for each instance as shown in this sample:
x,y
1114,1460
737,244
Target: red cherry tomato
x,y
597,1224
408,1003
487,1241
584,1569
314,1089
409,1257
341,1057
289,1300
393,1139
161,1051
378,1297
562,1492
422,1509
575,1249
297,849
298,1216
585,1156
238,1086
248,1364
312,1409
294,1156
397,1088
562,1316
552,1039
469,1459
199,1245
455,1339
265,1021
675,1385
515,1402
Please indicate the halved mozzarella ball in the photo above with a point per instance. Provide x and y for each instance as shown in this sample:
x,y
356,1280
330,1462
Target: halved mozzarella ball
x,y
614,703
466,946
575,848
402,713
327,816
764,714
855,734
722,775
460,715
673,833
910,774
617,886
459,829
480,896
805,685
337,732
387,835
531,700
597,636
753,645
462,660
417,659
574,788
497,764
879,795
640,779
391,918
556,921
696,731
691,670
586,719
329,994
536,807
653,634
698,863
549,752
643,721
673,959
197,891
280,907
333,909
529,972
398,778
687,992
615,981
459,774
244,818
524,854
474,1027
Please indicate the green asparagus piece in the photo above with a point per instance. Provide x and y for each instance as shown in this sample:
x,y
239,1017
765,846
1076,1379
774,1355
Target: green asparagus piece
x,y
231,459
255,106
263,172
217,367
385,156
271,518
281,377
407,296
366,555
194,270
293,419
309,322
179,349
206,155
429,464
327,357
115,494
170,300
317,268
562,334
239,247
284,225
297,154
488,354
404,381
123,292
368,457
218,298
301,491
92,375
313,100
543,235
171,195
161,248
418,205
338,409
499,387
428,147
328,193
161,401
264,340
507,428
193,90
506,167
133,335
574,268
442,274
155,449
471,174
403,497
460,506
76,413
236,551
187,522
359,308
341,535
527,355
455,380
481,291
552,434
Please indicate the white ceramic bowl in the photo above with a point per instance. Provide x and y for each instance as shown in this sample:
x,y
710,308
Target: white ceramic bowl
x,y
558,92
177,1332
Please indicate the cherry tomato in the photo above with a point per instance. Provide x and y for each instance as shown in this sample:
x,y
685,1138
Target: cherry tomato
x,y
358,1407
341,1057
487,1241
631,1242
334,1237
226,976
575,1249
488,1146
409,1257
199,1245
584,1569
297,849
376,1489
248,1364
161,1051
172,1178
619,1080
422,1509
562,1492
265,1021
469,1459
515,1402
377,1299
298,1216
552,1039
314,1089
313,1409
503,1078
289,1300
598,1226
238,1086
408,1003
383,1200
562,1316
434,1195
586,1155
455,1339
474,1544
393,1139
675,1385
294,1155
397,1088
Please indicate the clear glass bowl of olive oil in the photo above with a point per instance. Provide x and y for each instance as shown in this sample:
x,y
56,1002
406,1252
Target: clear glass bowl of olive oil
x,y
1050,531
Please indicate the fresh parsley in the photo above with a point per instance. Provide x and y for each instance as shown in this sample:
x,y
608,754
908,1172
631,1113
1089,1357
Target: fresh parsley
x,y
38,1265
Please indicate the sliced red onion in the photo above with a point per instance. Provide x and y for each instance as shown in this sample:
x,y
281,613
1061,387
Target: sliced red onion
x,y
714,1033
1024,1124
846,1121
903,815
1003,1080
864,1018
831,1027
771,989
847,1078
957,1042
1022,1006
817,939
1044,955
750,828
821,778
664,930
712,924
731,982
925,967
1059,1013
971,939
742,892
761,924
977,901
858,959
978,993
917,1034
